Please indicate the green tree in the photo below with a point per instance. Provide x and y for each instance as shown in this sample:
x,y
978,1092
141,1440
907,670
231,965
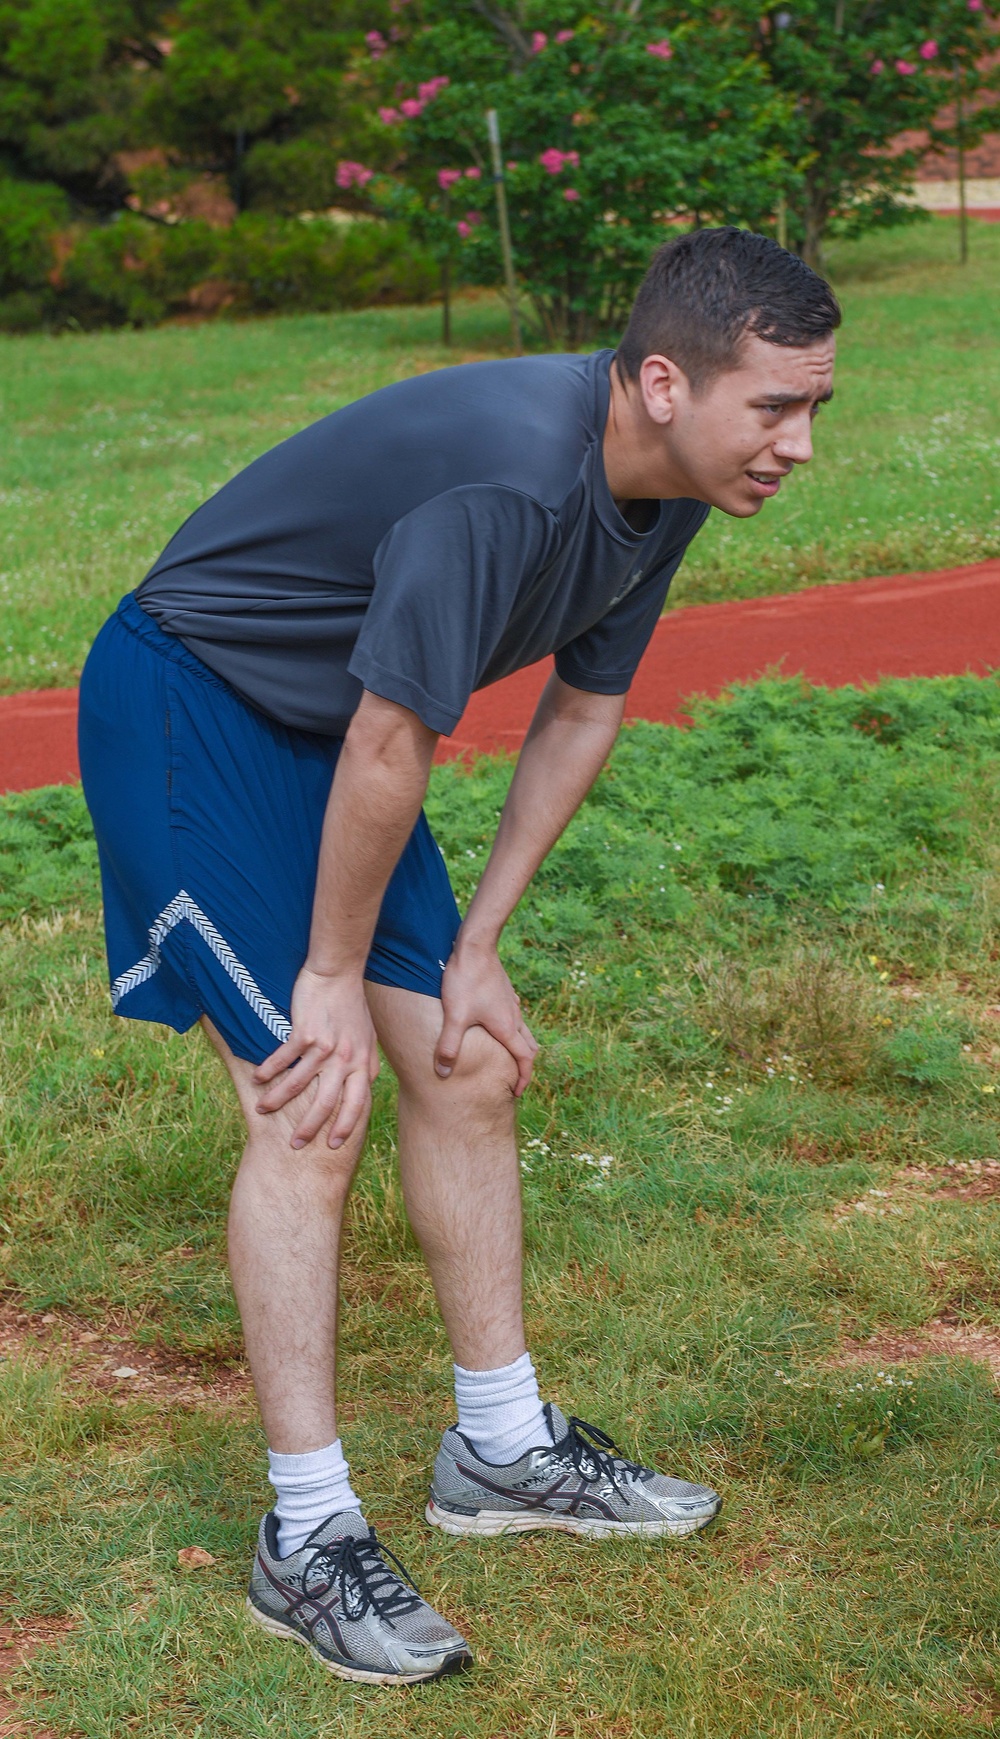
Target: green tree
x,y
613,124
72,76
255,90
859,74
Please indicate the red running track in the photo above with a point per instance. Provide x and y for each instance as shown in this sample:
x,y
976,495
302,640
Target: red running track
x,y
937,624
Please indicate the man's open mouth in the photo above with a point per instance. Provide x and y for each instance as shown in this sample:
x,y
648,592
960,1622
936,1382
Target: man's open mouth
x,y
768,482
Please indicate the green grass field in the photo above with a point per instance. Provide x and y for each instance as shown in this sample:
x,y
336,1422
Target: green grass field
x,y
111,439
763,966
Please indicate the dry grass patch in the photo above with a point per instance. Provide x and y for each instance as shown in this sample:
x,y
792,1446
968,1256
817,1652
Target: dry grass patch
x,y
108,1360
809,1009
944,1337
958,1180
19,1640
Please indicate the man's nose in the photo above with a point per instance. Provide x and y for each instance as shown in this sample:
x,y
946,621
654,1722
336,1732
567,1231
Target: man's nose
x,y
795,441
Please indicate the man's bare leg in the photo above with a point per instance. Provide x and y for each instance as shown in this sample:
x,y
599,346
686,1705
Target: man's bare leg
x,y
459,1169
284,1239
461,1184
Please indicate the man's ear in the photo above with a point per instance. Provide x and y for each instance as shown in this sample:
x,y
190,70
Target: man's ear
x,y
663,384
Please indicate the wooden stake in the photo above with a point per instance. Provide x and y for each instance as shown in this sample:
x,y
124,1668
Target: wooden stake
x,y
446,279
963,216
782,221
493,132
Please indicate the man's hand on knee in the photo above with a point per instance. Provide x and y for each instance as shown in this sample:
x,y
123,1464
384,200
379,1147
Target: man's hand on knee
x,y
332,1042
477,992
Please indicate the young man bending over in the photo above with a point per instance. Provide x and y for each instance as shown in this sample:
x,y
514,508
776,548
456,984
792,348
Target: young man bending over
x,y
257,727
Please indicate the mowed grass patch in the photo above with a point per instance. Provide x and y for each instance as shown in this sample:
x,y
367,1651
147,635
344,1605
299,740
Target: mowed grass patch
x,y
762,965
112,439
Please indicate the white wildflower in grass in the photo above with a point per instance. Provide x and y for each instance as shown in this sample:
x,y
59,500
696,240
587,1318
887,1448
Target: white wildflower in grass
x,y
599,1166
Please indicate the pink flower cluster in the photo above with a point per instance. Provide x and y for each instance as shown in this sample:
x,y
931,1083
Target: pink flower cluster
x,y
448,177
377,44
662,49
554,161
353,174
975,5
411,107
905,68
467,224
539,40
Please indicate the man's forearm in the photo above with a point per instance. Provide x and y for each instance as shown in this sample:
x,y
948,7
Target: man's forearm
x,y
571,736
375,799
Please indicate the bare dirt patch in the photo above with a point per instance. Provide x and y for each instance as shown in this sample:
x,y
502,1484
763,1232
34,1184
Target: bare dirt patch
x,y
940,1337
107,1360
959,1180
20,1639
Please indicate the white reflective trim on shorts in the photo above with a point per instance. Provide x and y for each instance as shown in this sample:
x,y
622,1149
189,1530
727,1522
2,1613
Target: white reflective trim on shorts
x,y
181,907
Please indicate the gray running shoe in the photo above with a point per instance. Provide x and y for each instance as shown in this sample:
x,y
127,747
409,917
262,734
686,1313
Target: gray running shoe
x,y
340,1597
581,1485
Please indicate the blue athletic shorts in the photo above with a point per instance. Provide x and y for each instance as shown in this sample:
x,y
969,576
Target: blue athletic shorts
x,y
208,819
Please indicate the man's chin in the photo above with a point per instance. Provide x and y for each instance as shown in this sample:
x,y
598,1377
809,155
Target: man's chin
x,y
739,506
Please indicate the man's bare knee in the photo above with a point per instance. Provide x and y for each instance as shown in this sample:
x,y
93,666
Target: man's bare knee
x,y
269,1144
484,1077
270,1134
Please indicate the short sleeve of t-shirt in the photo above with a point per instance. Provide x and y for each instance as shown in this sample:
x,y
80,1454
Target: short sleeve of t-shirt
x,y
446,577
605,658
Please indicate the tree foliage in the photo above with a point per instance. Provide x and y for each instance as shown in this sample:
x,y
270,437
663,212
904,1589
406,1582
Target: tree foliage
x,y
860,76
610,124
616,120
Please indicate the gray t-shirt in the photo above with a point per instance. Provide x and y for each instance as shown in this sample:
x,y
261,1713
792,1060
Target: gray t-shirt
x,y
421,543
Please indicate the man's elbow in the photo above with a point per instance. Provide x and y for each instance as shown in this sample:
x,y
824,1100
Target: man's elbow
x,y
580,706
383,732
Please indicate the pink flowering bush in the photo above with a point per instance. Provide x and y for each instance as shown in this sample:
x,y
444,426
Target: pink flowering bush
x,y
873,90
554,161
617,119
353,174
601,149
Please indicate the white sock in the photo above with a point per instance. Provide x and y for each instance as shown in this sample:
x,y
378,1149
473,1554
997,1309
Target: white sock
x,y
500,1412
310,1489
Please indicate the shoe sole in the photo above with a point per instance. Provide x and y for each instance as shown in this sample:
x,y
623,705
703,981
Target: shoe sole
x,y
453,1663
489,1523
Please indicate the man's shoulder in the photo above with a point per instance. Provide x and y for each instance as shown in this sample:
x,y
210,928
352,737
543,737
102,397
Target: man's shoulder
x,y
520,423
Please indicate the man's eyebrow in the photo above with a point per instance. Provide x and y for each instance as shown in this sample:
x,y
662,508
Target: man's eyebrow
x,y
794,398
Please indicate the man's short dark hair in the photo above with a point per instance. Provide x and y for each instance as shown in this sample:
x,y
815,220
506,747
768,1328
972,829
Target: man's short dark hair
x,y
705,291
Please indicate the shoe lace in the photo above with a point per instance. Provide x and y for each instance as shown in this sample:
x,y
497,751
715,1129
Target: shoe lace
x,y
356,1567
594,1454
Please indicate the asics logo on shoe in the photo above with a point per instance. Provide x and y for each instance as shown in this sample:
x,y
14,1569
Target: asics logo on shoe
x,y
569,1502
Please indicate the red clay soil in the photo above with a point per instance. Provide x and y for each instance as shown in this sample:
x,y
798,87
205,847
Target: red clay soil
x,y
937,624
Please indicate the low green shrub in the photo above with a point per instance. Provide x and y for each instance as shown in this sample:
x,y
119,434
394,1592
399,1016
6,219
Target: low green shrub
x,y
132,272
48,858
31,215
